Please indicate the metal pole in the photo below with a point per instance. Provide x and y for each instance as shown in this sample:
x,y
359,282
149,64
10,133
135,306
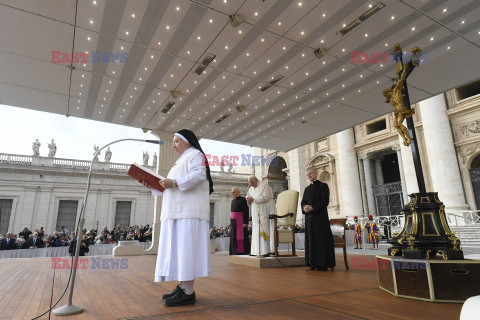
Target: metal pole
x,y
417,162
399,65
70,308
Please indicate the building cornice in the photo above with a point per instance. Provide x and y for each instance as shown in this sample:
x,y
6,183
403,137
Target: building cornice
x,y
463,107
59,172
385,138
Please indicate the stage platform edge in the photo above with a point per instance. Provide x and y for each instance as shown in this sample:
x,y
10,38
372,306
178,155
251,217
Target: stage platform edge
x,y
433,280
269,262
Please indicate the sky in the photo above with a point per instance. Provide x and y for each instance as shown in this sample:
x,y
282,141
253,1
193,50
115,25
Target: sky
x,y
76,137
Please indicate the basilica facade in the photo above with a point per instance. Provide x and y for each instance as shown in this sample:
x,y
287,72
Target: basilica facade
x,y
370,171
49,192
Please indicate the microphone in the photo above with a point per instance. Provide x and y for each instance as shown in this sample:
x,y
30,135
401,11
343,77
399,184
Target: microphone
x,y
155,141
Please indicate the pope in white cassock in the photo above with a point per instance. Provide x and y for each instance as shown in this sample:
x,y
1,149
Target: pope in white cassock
x,y
260,199
184,247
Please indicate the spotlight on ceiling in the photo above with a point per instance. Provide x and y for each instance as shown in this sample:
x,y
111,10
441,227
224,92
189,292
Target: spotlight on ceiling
x,y
223,117
200,69
240,108
362,18
320,52
236,19
272,82
175,94
208,59
168,106
372,11
266,87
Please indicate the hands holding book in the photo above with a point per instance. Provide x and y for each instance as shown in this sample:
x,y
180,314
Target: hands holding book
x,y
168,183
149,178
165,183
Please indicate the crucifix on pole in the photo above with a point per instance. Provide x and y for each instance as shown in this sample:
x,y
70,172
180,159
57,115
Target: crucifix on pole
x,y
425,232
398,96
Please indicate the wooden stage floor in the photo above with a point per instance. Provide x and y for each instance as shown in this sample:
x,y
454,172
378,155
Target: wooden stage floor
x,y
230,292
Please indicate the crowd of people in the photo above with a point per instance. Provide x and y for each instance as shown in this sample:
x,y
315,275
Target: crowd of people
x,y
26,239
219,232
223,232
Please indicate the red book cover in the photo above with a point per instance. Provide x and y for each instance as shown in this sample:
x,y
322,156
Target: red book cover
x,y
143,174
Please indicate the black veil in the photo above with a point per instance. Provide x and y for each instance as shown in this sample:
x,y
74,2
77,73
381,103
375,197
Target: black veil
x,y
192,139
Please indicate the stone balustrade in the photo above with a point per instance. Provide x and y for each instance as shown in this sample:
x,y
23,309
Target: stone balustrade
x,y
17,159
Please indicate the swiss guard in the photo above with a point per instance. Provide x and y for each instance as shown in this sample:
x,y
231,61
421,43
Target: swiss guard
x,y
357,236
373,235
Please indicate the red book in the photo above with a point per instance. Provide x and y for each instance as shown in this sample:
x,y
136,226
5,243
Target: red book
x,y
143,174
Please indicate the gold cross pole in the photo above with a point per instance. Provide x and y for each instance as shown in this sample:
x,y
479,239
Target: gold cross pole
x,y
398,96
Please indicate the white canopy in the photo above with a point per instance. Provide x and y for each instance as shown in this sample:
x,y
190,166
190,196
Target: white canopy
x,y
165,41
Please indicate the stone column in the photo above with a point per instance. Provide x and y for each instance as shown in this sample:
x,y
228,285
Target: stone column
x,y
41,211
166,159
442,159
411,183
348,169
28,209
367,168
402,174
362,186
298,179
378,172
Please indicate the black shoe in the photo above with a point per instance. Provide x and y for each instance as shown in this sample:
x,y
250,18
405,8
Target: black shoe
x,y
172,293
322,269
180,299
312,268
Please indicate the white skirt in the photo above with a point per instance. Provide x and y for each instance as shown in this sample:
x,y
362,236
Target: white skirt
x,y
183,251
261,247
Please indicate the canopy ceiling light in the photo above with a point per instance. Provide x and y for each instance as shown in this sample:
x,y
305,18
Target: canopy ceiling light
x,y
320,52
362,18
208,59
175,94
236,19
272,82
240,108
223,117
168,106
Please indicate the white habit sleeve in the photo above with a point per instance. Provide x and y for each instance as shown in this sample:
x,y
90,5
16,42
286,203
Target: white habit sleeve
x,y
197,174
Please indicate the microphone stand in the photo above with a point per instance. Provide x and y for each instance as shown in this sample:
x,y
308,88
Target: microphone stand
x,y
70,308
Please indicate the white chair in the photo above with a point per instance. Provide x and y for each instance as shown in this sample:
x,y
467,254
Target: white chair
x,y
287,203
470,309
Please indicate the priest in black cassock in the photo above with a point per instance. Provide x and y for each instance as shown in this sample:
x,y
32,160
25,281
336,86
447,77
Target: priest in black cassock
x,y
239,242
319,249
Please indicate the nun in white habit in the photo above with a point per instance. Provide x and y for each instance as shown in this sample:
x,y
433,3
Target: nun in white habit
x,y
184,248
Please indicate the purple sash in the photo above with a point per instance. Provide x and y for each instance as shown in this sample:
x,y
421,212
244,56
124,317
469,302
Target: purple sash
x,y
238,216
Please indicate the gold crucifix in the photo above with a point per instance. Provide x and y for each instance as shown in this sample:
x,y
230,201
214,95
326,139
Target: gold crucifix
x,y
394,94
